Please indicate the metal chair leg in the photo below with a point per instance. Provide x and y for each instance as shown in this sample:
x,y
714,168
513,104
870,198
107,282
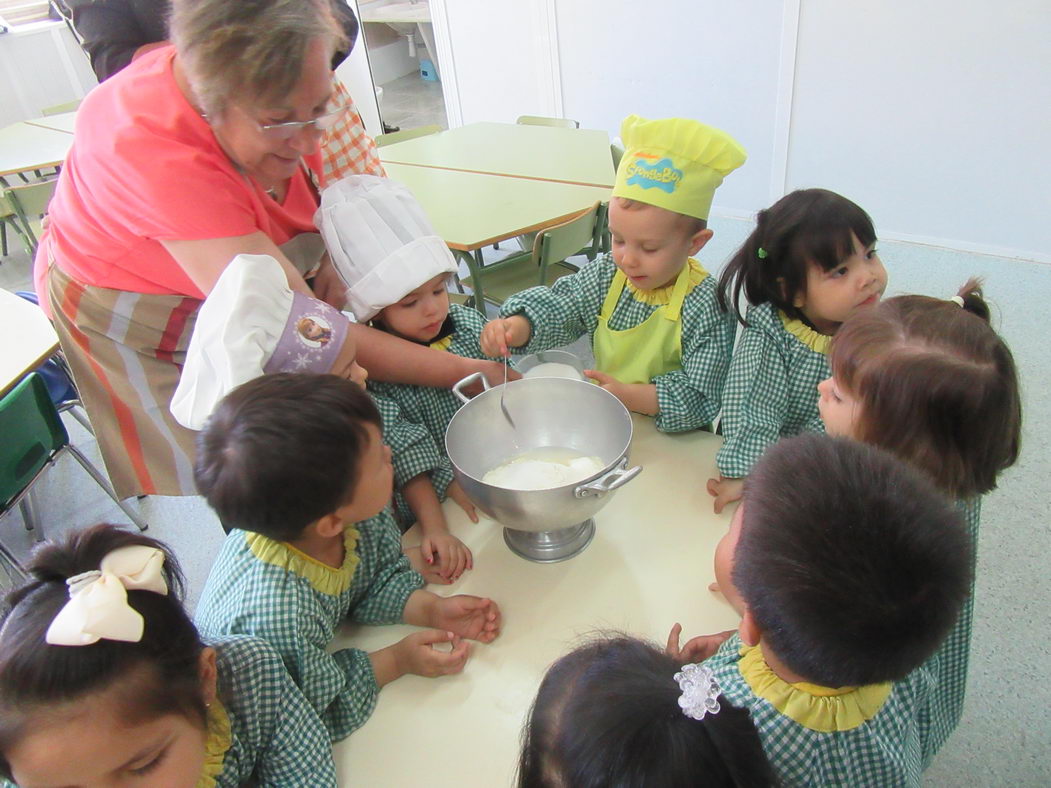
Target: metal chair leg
x,y
103,482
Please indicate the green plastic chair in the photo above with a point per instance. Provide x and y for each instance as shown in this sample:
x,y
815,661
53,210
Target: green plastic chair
x,y
406,134
26,204
34,437
540,120
617,152
546,262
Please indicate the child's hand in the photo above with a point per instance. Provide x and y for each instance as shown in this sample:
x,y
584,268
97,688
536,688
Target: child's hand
x,y
695,649
468,616
431,573
416,654
455,491
636,397
453,557
725,491
502,334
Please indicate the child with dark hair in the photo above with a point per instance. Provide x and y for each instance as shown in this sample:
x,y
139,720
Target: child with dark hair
x,y
104,680
809,264
661,343
931,381
619,711
252,324
848,568
295,464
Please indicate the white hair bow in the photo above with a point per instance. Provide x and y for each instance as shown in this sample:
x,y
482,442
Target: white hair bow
x,y
98,600
700,691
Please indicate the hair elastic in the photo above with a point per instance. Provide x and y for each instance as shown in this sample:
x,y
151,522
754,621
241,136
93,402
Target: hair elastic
x,y
98,599
700,691
958,300
761,254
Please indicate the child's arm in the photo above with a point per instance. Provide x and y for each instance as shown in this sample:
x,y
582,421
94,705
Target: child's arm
x,y
690,398
416,654
637,397
468,616
453,555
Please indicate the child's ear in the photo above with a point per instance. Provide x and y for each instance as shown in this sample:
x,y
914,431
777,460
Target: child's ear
x,y
749,629
209,674
699,239
329,526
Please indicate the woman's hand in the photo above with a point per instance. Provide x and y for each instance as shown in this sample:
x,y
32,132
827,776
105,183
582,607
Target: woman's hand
x,y
502,334
725,491
328,285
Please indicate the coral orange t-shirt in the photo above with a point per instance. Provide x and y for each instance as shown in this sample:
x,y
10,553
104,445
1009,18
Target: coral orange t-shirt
x,y
146,168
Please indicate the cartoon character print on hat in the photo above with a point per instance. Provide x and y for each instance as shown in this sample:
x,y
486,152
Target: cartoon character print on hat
x,y
661,174
312,337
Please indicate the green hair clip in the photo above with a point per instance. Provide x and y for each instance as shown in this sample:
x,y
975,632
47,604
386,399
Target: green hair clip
x,y
762,253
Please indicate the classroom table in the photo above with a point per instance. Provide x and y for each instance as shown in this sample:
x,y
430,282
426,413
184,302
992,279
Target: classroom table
x,y
63,121
578,156
648,567
24,148
28,339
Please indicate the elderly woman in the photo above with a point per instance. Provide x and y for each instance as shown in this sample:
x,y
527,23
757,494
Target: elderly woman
x,y
193,154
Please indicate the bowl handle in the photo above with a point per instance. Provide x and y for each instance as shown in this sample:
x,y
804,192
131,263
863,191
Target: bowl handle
x,y
470,380
617,477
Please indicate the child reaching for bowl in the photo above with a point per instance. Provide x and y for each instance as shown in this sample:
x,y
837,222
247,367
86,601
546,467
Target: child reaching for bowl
x,y
661,343
253,324
295,465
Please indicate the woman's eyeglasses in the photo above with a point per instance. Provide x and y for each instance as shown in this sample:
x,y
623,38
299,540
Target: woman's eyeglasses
x,y
286,131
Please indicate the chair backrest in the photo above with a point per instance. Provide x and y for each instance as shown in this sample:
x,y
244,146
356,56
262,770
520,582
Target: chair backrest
x,y
32,431
59,109
27,202
406,134
617,152
540,120
555,244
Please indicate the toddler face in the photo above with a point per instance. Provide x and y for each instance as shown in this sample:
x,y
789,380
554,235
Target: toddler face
x,y
839,409
724,561
90,742
420,314
833,296
375,481
651,245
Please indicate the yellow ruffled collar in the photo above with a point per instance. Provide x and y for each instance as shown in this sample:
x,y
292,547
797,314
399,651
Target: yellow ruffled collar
x,y
819,343
818,708
215,745
442,344
324,578
661,296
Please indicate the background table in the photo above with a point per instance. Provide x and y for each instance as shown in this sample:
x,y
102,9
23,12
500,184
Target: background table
x,y
24,147
649,566
61,122
27,336
580,156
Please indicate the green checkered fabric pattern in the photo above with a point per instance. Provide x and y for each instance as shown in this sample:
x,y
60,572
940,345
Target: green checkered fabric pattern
x,y
245,595
432,407
771,391
689,398
949,665
276,738
413,451
884,751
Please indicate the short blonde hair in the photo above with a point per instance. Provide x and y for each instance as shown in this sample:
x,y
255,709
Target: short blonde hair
x,y
247,49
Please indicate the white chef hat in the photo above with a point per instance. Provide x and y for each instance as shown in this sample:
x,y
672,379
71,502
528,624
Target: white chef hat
x,y
380,240
252,323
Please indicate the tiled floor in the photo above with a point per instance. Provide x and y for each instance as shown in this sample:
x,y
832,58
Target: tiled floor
x,y
1005,736
411,101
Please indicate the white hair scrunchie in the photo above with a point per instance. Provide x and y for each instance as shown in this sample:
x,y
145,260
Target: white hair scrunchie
x,y
958,300
700,691
98,600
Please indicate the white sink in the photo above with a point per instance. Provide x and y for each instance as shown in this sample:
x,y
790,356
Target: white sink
x,y
402,17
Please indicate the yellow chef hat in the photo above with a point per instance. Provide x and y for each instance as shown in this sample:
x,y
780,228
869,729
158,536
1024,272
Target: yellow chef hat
x,y
675,163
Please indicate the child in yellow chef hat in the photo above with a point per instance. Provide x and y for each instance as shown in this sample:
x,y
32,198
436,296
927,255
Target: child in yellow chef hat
x,y
662,345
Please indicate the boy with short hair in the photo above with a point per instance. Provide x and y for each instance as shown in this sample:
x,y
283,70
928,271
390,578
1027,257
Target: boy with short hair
x,y
849,569
295,464
662,345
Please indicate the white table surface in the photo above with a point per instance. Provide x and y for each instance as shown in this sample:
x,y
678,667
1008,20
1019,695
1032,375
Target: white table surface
x,y
649,566
27,336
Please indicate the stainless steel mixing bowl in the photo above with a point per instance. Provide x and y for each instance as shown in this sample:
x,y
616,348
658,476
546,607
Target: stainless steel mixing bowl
x,y
552,524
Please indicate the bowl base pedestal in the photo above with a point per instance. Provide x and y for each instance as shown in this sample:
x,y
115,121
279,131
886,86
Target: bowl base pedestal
x,y
548,547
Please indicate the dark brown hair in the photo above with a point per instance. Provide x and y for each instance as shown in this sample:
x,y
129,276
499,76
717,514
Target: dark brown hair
x,y
608,714
804,228
281,451
853,564
937,386
158,675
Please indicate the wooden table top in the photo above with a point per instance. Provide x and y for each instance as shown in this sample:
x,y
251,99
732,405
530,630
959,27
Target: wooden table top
x,y
24,147
27,336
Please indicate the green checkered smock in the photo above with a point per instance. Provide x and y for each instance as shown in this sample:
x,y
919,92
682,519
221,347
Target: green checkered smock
x,y
269,589
276,738
433,407
942,713
413,451
688,398
884,751
771,391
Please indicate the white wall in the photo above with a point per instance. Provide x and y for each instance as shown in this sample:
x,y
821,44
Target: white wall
x,y
934,115
40,66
